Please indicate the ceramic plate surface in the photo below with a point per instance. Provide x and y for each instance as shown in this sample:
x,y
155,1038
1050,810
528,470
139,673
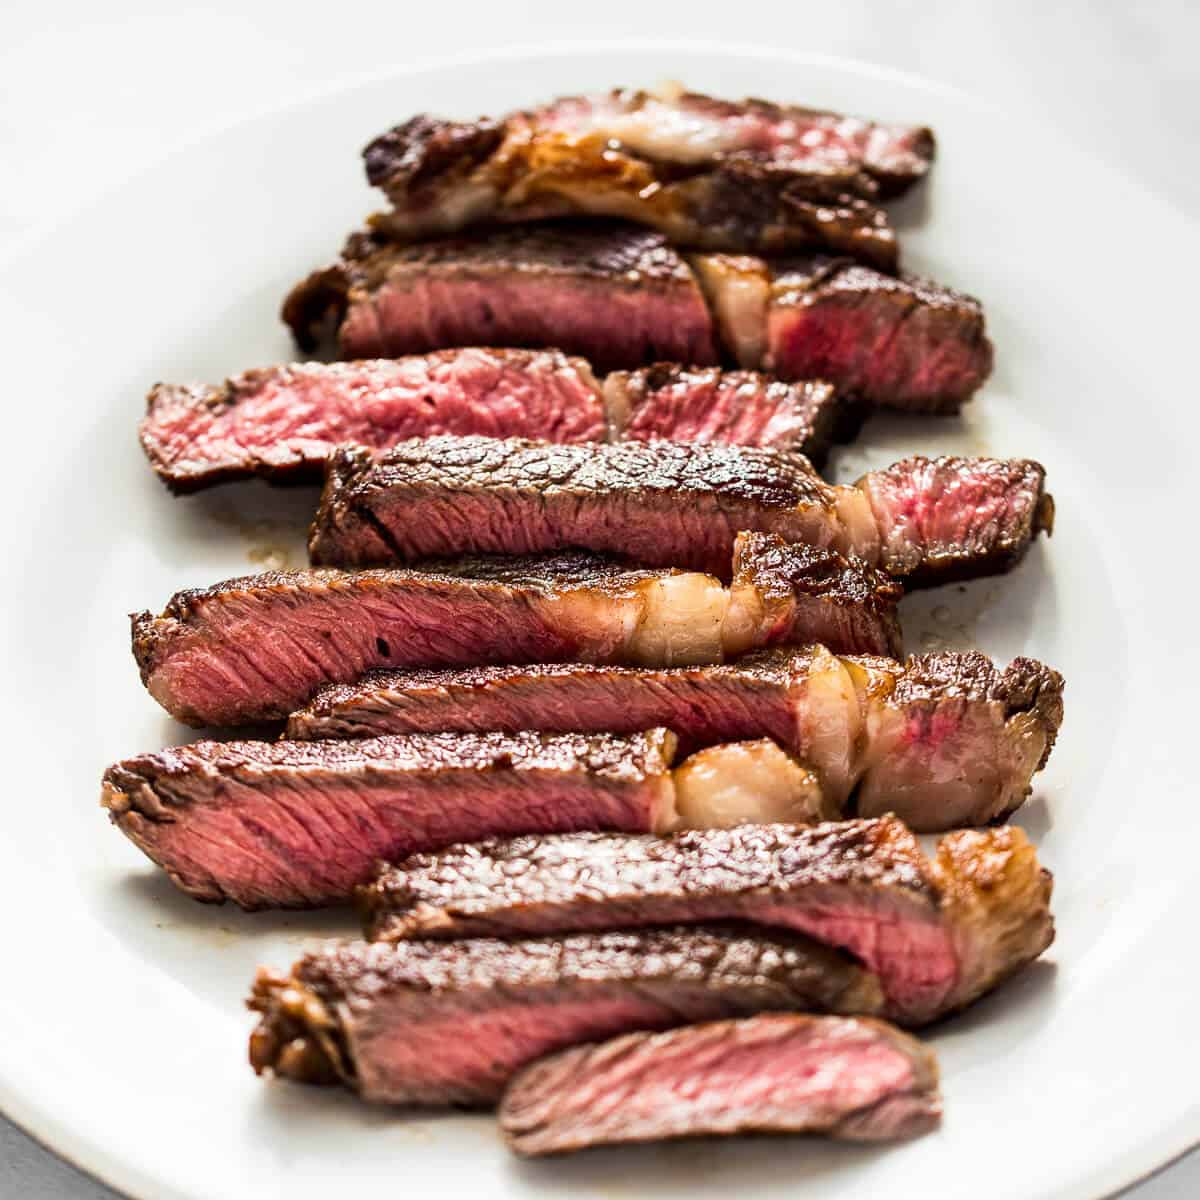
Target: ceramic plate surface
x,y
125,1037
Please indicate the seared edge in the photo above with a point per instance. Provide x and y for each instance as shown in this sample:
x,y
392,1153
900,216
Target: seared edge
x,y
308,1015
160,788
984,892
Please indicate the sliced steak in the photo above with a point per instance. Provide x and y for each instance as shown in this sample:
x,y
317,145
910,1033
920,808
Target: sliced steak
x,y
624,298
844,1077
280,423
943,741
950,740
750,176
617,295
925,520
672,125
737,408
438,1023
906,343
257,648
938,933
294,824
943,519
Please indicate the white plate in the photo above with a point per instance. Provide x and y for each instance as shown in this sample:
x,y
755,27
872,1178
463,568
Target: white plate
x,y
124,1041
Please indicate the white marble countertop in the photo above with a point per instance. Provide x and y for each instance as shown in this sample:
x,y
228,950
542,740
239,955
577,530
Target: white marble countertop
x,y
88,92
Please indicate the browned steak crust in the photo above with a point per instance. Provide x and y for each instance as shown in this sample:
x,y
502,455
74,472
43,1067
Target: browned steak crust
x,y
657,502
294,824
943,740
254,649
938,934
924,520
374,1016
618,295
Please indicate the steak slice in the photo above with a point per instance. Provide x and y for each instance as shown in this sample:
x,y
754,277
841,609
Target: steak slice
x,y
737,408
672,125
617,295
750,176
905,343
845,1077
938,933
280,423
438,1023
257,648
624,298
925,520
295,824
943,741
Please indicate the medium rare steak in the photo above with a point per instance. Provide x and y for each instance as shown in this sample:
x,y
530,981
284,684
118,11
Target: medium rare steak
x,y
844,1077
294,824
926,520
624,298
749,176
256,648
617,295
944,740
450,1022
906,343
938,933
281,423
736,408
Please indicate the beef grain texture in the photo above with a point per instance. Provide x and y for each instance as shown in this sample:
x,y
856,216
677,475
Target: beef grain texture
x,y
436,1023
943,740
748,176
625,298
924,520
256,648
295,824
938,934
735,408
905,342
843,1077
281,423
619,296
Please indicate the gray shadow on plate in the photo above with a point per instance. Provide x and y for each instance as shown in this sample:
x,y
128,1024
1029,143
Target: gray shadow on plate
x,y
289,1115
1034,816
213,950
306,1111
997,614
180,911
739,1166
243,332
293,1115
183,912
1017,1007
176,733
912,210
271,523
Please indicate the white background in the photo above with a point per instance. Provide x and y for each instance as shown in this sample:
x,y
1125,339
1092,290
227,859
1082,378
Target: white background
x,y
89,91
